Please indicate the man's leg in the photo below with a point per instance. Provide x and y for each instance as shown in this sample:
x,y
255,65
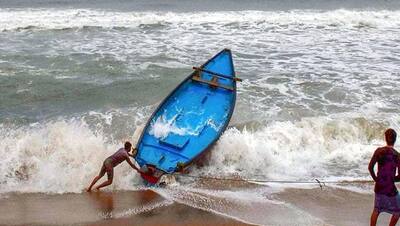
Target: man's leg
x,y
374,217
110,176
396,214
394,219
96,178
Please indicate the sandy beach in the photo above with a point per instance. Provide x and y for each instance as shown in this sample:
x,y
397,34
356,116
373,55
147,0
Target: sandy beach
x,y
334,206
293,206
102,208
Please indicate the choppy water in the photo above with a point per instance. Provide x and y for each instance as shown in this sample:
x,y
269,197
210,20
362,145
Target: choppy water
x,y
321,84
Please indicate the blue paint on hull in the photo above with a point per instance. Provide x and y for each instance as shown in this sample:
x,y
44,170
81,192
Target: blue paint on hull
x,y
190,119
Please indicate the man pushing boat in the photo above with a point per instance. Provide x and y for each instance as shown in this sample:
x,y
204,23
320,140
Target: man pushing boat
x,y
112,161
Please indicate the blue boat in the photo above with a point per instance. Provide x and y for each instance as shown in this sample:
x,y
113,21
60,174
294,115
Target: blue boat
x,y
189,120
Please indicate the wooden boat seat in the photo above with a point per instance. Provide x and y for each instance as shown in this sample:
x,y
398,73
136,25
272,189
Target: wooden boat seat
x,y
197,69
213,83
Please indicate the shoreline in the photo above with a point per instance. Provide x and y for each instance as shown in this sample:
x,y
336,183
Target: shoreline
x,y
192,206
334,206
144,207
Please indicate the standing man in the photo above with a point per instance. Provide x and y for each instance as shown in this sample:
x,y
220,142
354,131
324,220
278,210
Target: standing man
x,y
108,165
387,198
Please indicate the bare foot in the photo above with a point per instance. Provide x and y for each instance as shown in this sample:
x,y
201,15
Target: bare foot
x,y
89,190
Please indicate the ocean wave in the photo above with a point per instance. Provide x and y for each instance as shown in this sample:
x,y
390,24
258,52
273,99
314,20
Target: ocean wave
x,y
63,155
317,147
36,19
57,157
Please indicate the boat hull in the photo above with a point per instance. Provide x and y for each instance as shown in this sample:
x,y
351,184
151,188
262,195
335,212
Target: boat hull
x,y
189,120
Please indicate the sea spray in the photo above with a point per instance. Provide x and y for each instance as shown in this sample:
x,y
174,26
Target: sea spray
x,y
61,156
312,148
162,127
64,155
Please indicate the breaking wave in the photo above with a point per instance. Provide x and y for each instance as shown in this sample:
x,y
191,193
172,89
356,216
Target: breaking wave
x,y
58,157
46,18
64,155
320,147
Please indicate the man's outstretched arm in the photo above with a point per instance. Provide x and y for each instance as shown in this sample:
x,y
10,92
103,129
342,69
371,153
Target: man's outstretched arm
x,y
371,166
133,165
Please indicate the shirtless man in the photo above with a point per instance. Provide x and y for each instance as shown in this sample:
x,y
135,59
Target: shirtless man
x,y
108,165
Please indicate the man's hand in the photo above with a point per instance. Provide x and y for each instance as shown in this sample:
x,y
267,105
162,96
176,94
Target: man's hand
x,y
134,151
139,171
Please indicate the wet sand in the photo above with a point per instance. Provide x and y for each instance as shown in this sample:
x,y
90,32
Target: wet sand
x,y
334,206
293,206
103,208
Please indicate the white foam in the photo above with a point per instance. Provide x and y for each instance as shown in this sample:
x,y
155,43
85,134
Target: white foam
x,y
57,157
64,155
11,19
142,209
245,205
162,127
312,148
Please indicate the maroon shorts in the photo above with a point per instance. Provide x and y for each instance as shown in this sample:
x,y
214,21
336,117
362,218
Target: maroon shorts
x,y
107,168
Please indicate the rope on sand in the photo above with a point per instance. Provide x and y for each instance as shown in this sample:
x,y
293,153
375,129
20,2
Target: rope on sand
x,y
315,181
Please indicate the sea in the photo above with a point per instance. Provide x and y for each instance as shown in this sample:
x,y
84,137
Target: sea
x,y
321,84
